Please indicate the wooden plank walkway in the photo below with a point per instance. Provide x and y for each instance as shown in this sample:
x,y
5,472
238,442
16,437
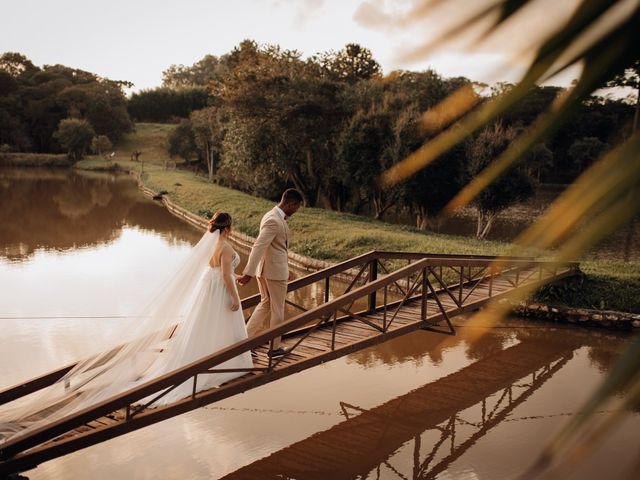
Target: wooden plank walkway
x,y
424,294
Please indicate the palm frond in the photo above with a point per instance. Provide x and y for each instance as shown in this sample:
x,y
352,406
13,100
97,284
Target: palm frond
x,y
604,197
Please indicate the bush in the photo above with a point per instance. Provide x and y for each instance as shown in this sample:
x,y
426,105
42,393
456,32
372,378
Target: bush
x,y
74,136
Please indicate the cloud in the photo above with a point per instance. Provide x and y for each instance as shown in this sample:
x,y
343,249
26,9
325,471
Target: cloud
x,y
371,16
384,14
305,10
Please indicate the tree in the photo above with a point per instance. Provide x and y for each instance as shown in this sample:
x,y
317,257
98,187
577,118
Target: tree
x,y
284,116
182,142
512,187
165,104
34,100
431,189
100,144
538,161
16,64
630,77
363,156
208,136
585,151
209,68
351,64
74,136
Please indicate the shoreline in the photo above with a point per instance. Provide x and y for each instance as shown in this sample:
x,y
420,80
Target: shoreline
x,y
301,262
584,317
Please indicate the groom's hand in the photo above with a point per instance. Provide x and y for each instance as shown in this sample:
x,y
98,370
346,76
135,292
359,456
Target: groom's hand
x,y
243,280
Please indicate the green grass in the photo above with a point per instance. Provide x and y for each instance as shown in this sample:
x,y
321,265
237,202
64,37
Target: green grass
x,y
606,286
333,236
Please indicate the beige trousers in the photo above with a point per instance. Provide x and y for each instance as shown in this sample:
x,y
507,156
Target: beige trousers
x,y
270,310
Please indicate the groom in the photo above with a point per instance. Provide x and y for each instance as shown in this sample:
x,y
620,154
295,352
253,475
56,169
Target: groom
x,y
268,263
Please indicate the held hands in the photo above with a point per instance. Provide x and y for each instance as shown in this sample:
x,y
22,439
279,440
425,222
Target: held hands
x,y
244,279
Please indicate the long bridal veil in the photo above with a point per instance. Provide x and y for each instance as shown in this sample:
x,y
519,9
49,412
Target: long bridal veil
x,y
160,322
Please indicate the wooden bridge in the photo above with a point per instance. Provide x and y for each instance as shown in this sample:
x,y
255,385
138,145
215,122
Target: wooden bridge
x,y
383,298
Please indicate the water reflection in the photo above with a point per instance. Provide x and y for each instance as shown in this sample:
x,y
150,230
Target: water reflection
x,y
421,434
58,258
64,210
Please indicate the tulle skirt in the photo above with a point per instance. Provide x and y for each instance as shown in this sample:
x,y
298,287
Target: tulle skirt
x,y
209,326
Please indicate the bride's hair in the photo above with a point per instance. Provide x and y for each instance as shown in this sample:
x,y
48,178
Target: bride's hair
x,y
219,221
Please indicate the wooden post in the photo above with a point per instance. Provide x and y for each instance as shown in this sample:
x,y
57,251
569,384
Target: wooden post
x,y
326,289
333,331
424,295
491,274
384,311
373,276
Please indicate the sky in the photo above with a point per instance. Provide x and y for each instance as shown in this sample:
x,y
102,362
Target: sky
x,y
136,40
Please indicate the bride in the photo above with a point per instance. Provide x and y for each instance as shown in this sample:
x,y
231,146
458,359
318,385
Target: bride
x,y
195,313
214,322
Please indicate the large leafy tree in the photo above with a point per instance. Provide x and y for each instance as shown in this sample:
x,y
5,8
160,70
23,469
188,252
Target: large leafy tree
x,y
209,68
208,133
285,113
514,186
75,136
362,157
182,142
351,64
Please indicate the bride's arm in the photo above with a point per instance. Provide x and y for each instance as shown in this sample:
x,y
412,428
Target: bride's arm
x,y
227,275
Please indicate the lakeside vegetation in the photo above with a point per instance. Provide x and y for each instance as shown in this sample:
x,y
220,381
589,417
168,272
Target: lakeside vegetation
x,y
330,126
334,236
261,118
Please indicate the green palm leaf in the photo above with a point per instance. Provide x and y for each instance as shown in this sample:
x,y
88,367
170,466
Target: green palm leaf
x,y
607,195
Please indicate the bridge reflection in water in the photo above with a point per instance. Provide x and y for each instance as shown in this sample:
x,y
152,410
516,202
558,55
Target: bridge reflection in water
x,y
367,441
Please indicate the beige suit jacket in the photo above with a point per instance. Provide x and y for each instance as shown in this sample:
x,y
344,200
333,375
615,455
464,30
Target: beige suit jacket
x,y
269,254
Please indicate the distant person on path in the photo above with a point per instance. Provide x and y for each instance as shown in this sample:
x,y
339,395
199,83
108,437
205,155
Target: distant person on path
x,y
268,262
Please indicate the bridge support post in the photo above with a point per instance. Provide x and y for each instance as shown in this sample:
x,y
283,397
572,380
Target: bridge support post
x,y
423,309
373,276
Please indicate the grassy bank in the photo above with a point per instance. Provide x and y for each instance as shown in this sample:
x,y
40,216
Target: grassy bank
x,y
333,236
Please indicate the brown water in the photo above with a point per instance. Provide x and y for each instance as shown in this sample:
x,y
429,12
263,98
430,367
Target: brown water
x,y
76,251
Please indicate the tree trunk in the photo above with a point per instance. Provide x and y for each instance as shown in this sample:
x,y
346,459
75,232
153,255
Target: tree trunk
x,y
380,208
300,187
208,156
479,223
487,227
637,113
422,220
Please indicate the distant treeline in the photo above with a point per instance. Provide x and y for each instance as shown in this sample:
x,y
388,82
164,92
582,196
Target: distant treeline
x,y
58,109
261,118
331,124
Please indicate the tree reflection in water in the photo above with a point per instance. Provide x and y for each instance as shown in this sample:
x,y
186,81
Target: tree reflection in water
x,y
62,210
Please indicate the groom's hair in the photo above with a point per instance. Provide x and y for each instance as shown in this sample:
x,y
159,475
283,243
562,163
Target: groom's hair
x,y
291,195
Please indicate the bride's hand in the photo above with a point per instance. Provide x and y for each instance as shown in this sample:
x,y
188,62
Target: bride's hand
x,y
235,305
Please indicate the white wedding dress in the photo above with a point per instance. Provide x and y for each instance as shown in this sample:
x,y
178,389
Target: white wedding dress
x,y
187,318
209,326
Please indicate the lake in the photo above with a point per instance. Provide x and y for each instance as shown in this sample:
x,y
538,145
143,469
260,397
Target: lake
x,y
79,250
